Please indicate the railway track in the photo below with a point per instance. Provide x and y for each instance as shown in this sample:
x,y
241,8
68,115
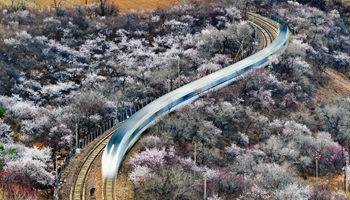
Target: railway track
x,y
270,24
78,190
108,189
266,26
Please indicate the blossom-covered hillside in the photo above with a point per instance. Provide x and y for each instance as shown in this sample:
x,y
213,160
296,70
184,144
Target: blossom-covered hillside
x,y
68,69
79,66
266,136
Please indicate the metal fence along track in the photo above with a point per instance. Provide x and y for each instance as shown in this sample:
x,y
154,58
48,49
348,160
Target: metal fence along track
x,y
120,139
130,131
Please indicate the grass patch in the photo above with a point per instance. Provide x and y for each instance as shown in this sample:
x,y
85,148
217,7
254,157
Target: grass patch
x,y
2,112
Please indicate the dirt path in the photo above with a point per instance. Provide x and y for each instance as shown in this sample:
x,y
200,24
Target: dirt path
x,y
337,86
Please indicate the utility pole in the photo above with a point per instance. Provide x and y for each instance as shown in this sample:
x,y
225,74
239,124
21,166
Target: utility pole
x,y
56,163
317,157
346,172
205,187
243,46
168,84
77,150
346,167
195,153
240,47
76,135
178,70
316,169
255,34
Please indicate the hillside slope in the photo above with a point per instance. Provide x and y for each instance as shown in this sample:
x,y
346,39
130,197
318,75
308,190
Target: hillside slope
x,y
123,5
338,86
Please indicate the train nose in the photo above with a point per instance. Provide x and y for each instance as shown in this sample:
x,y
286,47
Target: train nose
x,y
108,164
105,168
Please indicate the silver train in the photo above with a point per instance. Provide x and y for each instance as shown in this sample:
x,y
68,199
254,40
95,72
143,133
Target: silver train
x,y
129,132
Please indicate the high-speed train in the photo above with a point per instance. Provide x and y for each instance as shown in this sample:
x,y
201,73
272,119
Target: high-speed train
x,y
129,132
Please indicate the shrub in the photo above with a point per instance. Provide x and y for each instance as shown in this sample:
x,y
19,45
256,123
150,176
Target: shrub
x,y
2,111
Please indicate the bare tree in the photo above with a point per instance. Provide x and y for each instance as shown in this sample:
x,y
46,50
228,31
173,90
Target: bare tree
x,y
173,183
18,5
107,10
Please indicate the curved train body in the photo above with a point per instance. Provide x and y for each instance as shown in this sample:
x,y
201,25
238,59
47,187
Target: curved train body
x,y
132,128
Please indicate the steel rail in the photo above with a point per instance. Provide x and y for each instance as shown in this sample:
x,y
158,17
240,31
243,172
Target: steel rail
x,y
109,189
109,184
78,187
268,37
267,27
269,22
125,137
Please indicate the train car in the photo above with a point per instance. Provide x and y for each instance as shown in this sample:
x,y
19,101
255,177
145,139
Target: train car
x,y
129,132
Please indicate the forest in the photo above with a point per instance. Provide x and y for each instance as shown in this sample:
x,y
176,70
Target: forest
x,y
259,138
